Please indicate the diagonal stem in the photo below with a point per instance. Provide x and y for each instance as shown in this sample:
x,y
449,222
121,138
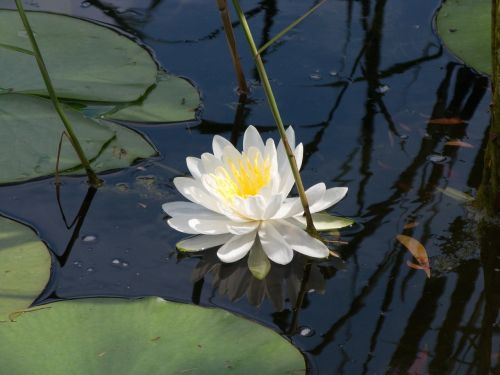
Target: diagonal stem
x,y
231,41
93,179
277,117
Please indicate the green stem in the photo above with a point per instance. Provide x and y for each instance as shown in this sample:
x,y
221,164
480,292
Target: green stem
x,y
93,179
291,26
277,117
231,41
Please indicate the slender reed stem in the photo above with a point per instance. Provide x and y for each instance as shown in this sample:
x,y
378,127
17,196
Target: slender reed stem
x,y
93,179
291,26
231,41
277,117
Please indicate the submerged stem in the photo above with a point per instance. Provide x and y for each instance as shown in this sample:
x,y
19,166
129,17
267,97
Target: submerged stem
x,y
277,117
231,41
93,179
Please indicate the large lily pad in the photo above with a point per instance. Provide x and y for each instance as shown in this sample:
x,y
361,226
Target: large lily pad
x,y
24,267
173,99
86,61
150,336
465,27
30,130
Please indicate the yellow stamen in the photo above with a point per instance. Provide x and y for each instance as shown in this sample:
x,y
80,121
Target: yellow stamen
x,y
242,178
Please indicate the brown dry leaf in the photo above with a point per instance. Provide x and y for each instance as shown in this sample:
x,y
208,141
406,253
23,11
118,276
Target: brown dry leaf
x,y
418,251
411,225
447,121
459,143
419,365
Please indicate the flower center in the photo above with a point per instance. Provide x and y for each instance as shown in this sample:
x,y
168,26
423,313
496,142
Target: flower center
x,y
244,177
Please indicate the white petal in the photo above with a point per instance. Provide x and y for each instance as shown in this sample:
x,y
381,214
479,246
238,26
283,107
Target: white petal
x,y
273,205
315,193
299,154
181,224
290,135
293,206
194,191
203,242
275,247
193,165
209,225
209,163
290,207
285,171
271,155
187,209
219,144
252,207
230,155
228,211
330,197
252,138
243,228
236,248
301,241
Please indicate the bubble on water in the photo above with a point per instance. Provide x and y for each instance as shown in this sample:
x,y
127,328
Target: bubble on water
x,y
333,73
77,263
436,158
382,89
90,269
85,4
306,331
315,76
89,238
119,263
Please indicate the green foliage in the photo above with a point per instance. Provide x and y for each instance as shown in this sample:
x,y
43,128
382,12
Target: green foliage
x,y
149,336
24,267
172,99
465,27
85,61
30,130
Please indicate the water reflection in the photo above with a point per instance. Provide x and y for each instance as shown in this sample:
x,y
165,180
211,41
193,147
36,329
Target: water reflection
x,y
378,316
284,286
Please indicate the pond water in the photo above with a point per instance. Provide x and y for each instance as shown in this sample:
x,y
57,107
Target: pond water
x,y
359,81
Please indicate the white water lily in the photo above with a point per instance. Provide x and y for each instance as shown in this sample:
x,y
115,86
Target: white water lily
x,y
240,199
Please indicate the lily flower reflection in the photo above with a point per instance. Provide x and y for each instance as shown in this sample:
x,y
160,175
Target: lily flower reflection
x,y
283,285
240,200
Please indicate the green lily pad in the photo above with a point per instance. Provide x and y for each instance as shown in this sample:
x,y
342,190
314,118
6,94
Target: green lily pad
x,y
149,336
24,267
173,99
30,130
86,61
465,27
323,221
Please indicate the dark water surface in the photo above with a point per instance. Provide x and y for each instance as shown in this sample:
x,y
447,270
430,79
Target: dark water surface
x,y
359,80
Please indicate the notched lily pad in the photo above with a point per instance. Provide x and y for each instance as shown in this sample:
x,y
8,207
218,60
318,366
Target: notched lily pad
x,y
172,99
24,267
149,336
30,130
86,61
465,27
